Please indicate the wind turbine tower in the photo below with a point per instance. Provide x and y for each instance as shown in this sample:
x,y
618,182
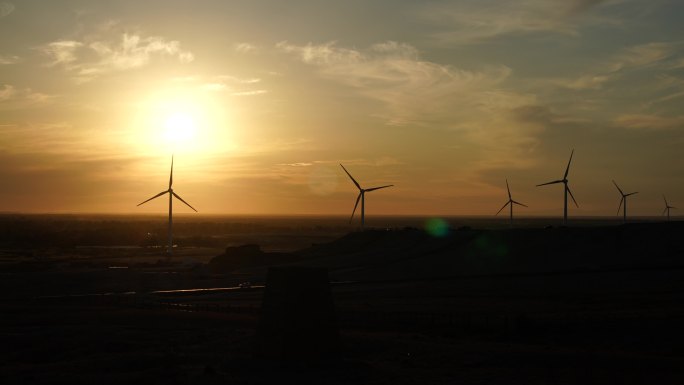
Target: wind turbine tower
x,y
510,202
172,194
362,197
566,190
623,202
667,208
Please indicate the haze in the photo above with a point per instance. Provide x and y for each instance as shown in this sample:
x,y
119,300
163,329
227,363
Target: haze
x,y
261,100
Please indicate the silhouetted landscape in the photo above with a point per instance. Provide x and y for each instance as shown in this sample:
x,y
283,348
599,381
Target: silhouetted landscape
x,y
306,192
88,298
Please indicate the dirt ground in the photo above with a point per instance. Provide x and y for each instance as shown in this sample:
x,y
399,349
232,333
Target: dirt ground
x,y
439,332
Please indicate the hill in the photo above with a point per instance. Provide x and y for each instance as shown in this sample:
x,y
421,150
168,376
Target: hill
x,y
413,254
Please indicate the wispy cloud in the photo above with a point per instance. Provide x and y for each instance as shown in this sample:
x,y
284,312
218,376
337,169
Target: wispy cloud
x,y
297,164
62,52
650,122
13,98
475,105
655,56
237,80
91,59
584,82
6,8
474,21
250,93
644,55
412,90
7,92
213,86
234,85
581,6
382,161
9,59
245,47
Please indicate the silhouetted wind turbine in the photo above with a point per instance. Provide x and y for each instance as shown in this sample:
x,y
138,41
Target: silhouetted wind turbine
x,y
171,195
362,197
566,190
623,202
510,202
667,208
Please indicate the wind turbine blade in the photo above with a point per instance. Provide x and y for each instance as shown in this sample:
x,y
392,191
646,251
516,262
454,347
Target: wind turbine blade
x,y
355,205
665,199
508,189
156,196
571,196
621,193
171,176
664,210
620,205
554,182
181,199
501,209
352,178
636,192
378,188
521,204
567,169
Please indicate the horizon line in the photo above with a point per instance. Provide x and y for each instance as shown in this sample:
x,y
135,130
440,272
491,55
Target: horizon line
x,y
282,215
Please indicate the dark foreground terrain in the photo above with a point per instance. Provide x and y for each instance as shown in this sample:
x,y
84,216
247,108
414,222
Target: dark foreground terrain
x,y
537,306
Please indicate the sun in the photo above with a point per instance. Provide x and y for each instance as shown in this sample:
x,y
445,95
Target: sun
x,y
181,121
179,127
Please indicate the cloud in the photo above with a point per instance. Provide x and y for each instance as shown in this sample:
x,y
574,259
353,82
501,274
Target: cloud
x,y
298,164
678,63
580,6
234,85
644,55
650,122
412,90
7,92
249,93
134,51
472,107
235,79
585,82
62,52
214,86
473,21
245,48
625,65
8,59
91,59
6,8
13,98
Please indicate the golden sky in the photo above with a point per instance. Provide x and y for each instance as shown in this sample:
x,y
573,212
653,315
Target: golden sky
x,y
261,100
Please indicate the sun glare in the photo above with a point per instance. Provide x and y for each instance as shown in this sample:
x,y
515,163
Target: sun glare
x,y
180,121
179,127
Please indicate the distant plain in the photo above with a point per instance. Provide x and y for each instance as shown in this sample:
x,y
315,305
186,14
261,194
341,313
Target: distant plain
x,y
95,298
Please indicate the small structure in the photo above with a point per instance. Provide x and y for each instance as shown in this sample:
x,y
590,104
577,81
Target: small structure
x,y
297,315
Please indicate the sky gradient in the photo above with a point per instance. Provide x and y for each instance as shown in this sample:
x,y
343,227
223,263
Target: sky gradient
x,y
443,99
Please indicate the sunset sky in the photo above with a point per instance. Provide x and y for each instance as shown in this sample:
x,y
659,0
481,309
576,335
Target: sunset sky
x,y
261,100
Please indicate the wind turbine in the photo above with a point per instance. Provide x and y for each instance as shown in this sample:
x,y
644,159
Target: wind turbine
x,y
667,208
623,200
171,195
566,190
362,197
510,202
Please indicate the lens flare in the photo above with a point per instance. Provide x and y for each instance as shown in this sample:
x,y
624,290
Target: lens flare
x,y
437,227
